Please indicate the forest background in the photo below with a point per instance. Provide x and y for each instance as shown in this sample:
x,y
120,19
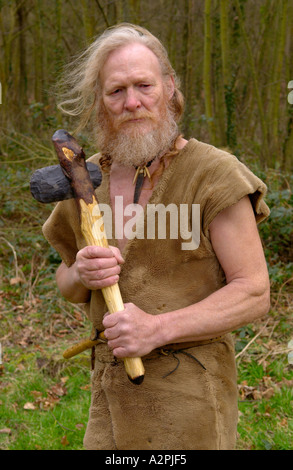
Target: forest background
x,y
234,60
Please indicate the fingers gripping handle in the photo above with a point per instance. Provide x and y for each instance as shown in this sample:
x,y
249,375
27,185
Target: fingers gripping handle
x,y
72,161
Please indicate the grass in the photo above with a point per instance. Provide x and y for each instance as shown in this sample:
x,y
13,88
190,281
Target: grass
x,y
45,409
265,380
44,400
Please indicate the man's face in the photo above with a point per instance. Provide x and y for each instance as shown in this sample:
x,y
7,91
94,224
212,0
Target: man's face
x,y
134,123
133,91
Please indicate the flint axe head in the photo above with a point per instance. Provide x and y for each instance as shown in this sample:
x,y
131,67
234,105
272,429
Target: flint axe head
x,y
49,184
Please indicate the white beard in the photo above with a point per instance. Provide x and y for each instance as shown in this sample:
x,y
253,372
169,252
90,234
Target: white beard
x,y
135,148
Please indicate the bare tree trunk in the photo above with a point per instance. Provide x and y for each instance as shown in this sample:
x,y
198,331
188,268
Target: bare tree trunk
x,y
119,11
287,163
58,49
207,72
39,54
265,152
22,74
87,18
135,11
277,77
102,11
6,63
113,12
227,78
187,54
58,39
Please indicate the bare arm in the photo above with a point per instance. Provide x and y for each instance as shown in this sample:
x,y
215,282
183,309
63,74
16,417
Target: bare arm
x,y
94,268
246,296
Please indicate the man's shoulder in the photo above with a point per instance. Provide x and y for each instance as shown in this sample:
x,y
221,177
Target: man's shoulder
x,y
203,153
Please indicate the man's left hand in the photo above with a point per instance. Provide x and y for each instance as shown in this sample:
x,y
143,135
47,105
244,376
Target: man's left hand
x,y
131,332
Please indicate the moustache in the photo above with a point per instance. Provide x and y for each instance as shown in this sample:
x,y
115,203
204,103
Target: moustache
x,y
132,117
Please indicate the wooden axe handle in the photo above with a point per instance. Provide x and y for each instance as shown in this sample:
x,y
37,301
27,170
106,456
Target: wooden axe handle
x,y
72,161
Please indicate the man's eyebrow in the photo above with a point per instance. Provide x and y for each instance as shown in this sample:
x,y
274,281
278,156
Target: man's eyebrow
x,y
112,86
119,82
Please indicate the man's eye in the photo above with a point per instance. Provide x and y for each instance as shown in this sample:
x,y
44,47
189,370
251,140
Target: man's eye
x,y
115,92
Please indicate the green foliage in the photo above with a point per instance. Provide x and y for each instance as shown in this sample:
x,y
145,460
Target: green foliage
x,y
277,231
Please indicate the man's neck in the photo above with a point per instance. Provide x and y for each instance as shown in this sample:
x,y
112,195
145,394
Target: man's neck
x,y
121,184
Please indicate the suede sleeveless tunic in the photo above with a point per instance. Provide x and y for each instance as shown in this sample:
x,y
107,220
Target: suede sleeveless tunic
x,y
191,408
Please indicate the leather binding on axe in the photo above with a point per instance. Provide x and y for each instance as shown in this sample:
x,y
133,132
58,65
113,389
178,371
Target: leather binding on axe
x,y
72,161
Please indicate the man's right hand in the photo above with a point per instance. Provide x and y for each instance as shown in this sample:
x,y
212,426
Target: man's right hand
x,y
98,267
95,268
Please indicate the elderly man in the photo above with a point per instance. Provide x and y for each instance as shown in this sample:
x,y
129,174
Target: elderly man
x,y
181,303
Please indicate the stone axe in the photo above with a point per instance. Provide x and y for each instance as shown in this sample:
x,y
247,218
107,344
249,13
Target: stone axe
x,y
77,183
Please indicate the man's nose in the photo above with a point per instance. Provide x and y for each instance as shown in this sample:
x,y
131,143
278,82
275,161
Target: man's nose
x,y
132,101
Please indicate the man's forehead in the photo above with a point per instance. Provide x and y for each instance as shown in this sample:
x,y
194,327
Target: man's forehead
x,y
131,57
